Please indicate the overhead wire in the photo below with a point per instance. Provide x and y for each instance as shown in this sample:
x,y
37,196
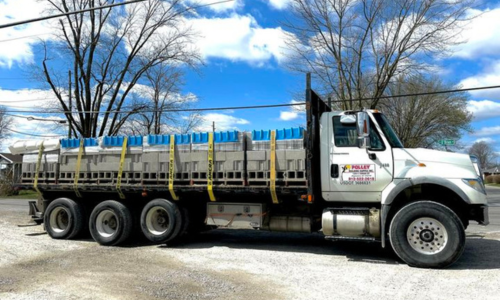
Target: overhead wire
x,y
31,118
252,106
98,8
32,134
68,13
24,37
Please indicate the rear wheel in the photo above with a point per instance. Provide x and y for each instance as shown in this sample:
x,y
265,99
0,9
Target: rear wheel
x,y
427,234
161,220
110,223
64,219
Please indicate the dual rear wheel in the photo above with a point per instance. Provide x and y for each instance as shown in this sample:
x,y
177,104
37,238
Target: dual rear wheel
x,y
163,221
111,222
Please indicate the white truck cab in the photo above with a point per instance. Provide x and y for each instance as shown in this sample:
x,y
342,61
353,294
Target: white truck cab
x,y
426,197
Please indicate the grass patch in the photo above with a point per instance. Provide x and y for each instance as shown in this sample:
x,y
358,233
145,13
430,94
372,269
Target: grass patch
x,y
493,184
24,194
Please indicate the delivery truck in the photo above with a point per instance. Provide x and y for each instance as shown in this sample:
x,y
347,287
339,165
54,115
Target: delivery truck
x,y
346,175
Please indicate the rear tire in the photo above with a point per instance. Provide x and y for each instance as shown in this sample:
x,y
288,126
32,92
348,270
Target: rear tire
x,y
161,221
427,234
110,223
64,219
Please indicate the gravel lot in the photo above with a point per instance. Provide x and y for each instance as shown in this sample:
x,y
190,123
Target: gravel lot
x,y
230,264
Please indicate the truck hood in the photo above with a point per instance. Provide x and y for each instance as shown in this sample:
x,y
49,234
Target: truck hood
x,y
437,163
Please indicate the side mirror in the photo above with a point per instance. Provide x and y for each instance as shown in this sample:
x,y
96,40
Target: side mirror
x,y
363,127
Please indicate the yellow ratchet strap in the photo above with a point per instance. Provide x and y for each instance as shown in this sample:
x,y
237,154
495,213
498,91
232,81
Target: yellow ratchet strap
x,y
273,167
120,169
171,168
77,170
37,170
210,173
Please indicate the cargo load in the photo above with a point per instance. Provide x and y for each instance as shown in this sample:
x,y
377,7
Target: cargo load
x,y
238,158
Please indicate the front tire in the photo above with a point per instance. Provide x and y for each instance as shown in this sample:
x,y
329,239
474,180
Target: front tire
x,y
64,219
427,234
110,223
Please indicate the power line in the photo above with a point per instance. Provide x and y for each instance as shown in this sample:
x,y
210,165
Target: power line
x,y
31,134
30,118
98,8
26,100
68,13
254,106
24,37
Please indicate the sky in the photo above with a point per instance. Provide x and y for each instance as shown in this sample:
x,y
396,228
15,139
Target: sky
x,y
244,63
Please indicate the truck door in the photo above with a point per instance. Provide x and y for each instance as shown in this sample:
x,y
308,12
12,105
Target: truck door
x,y
357,174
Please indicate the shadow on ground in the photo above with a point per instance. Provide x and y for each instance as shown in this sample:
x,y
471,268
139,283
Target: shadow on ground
x,y
480,252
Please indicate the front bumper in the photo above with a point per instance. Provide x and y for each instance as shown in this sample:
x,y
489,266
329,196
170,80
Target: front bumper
x,y
480,214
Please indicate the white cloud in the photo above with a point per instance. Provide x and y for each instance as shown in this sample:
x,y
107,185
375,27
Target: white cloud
x,y
238,38
16,42
480,36
223,122
279,4
294,112
26,98
484,109
288,115
235,37
487,131
486,140
489,77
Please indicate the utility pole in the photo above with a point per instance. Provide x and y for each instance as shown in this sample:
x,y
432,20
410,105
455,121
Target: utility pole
x,y
213,126
70,106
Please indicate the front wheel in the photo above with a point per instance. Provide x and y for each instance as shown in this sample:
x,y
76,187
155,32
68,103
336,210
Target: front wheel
x,y
427,234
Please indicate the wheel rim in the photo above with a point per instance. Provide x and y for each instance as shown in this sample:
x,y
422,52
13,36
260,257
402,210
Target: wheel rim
x,y
157,220
427,236
106,223
59,219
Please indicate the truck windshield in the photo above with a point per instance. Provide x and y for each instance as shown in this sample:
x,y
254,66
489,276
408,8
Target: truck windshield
x,y
388,131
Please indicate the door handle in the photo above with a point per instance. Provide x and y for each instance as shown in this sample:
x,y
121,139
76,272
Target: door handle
x,y
334,171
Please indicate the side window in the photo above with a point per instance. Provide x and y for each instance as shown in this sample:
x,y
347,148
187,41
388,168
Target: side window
x,y
345,135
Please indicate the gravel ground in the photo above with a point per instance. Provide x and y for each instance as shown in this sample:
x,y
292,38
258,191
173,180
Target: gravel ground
x,y
231,264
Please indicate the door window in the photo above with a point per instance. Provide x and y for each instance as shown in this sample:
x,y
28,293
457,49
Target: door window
x,y
345,135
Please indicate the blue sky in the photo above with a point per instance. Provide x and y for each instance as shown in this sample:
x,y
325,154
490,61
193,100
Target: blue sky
x,y
242,46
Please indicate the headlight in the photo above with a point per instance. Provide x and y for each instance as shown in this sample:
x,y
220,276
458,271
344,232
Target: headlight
x,y
476,184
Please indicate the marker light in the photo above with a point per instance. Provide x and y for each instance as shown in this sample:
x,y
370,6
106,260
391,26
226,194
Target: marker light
x,y
476,184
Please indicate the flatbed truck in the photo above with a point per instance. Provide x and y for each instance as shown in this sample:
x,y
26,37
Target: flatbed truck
x,y
359,184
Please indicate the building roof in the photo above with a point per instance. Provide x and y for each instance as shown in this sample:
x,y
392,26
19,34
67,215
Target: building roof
x,y
492,170
12,157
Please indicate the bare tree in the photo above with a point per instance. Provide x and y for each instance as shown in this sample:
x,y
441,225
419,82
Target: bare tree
x,y
420,121
5,124
357,47
108,52
484,153
161,94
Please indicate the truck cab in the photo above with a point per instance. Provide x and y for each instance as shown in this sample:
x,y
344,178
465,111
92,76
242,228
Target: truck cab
x,y
426,197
